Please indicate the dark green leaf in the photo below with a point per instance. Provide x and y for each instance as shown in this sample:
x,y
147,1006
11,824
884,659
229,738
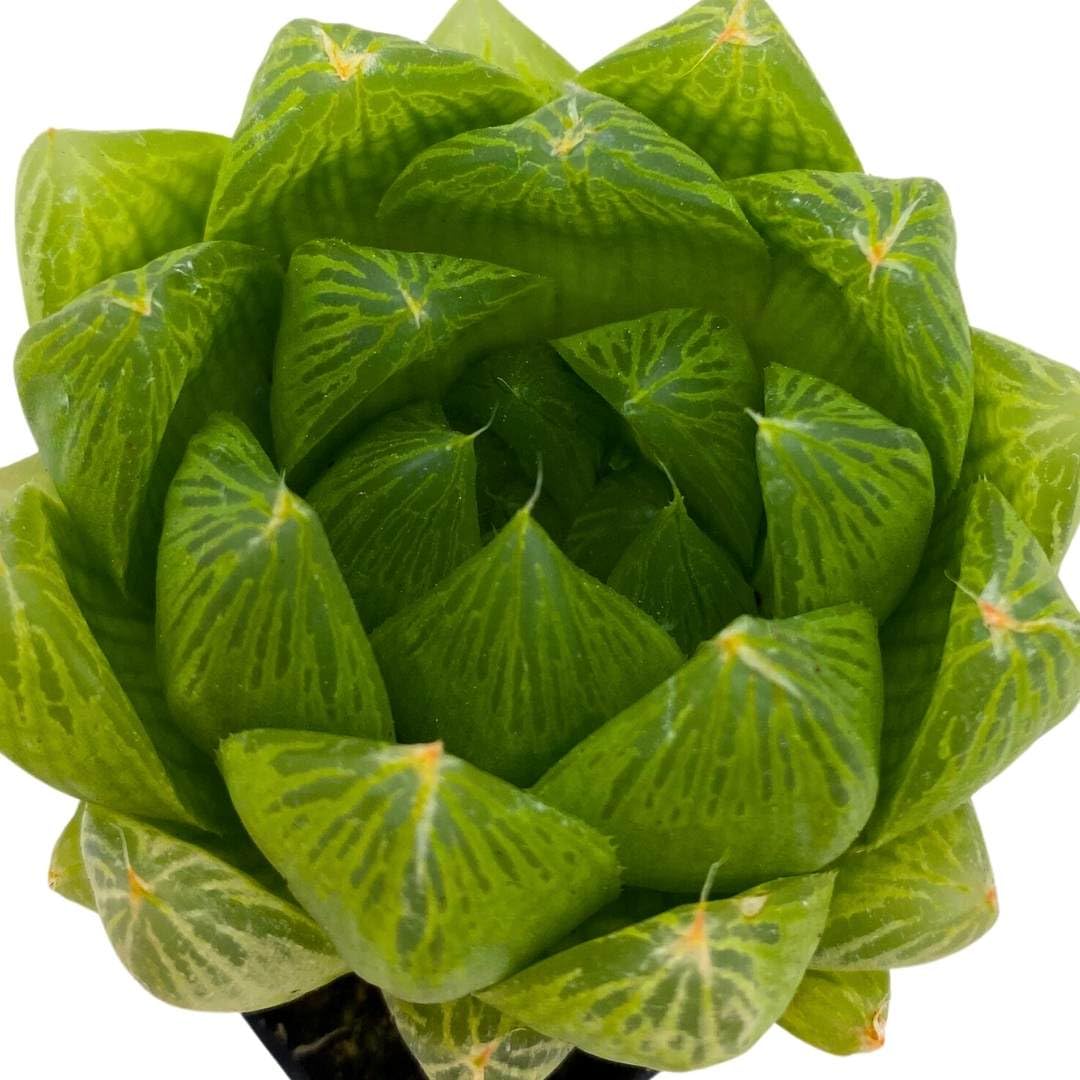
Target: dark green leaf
x,y
503,487
840,1012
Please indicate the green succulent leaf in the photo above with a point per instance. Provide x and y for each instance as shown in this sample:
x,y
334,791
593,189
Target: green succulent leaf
x,y
621,216
676,574
632,906
192,928
334,114
544,413
1025,438
86,716
485,28
67,871
760,754
468,1040
503,487
849,498
399,508
431,877
865,295
366,331
840,1012
115,384
28,471
683,382
546,655
982,659
727,80
255,623
684,990
920,897
93,204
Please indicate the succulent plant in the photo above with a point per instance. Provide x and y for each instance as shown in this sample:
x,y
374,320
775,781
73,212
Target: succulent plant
x,y
548,542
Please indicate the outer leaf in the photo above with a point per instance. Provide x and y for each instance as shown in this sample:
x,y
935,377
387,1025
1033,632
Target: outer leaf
x,y
91,204
727,80
399,507
334,114
683,381
976,671
28,471
64,713
365,331
487,29
432,878
631,907
676,574
923,896
865,295
545,656
115,384
192,928
621,216
67,871
254,621
760,755
685,990
849,498
468,1040
1025,437
840,1012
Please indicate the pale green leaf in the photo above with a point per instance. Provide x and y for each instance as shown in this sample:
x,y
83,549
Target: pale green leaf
x,y
67,871
28,471
840,1012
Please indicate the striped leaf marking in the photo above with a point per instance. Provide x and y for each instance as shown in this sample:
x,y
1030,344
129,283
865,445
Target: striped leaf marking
x,y
366,331
67,871
840,1012
760,754
192,928
485,28
676,574
255,624
849,497
468,1040
66,715
333,115
865,295
976,670
623,217
683,380
684,990
630,907
1025,437
727,80
399,509
544,413
431,877
540,655
92,204
503,487
115,384
923,896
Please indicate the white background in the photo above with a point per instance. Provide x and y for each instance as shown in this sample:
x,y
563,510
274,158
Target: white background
x,y
980,96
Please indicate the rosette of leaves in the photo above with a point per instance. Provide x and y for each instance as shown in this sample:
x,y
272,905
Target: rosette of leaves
x,y
549,543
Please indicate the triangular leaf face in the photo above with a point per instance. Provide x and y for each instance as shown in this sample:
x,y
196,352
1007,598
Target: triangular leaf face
x,y
849,497
923,896
399,509
840,1012
431,877
981,660
468,1040
192,928
115,384
366,331
676,574
865,295
683,381
1025,438
684,990
485,28
334,114
760,755
255,624
623,217
92,204
727,80
545,657
67,871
